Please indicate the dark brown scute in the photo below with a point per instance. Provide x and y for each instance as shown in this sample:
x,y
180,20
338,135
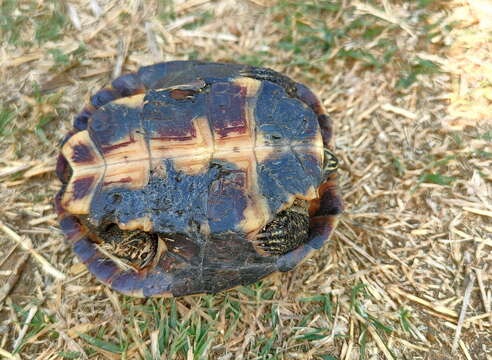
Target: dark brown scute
x,y
230,187
308,97
100,121
81,120
304,94
288,261
63,170
158,282
185,202
320,228
81,186
169,74
166,118
103,268
231,256
284,176
85,249
272,76
104,96
283,119
330,202
326,129
161,75
82,154
71,227
106,127
183,247
58,202
128,85
127,282
227,109
222,278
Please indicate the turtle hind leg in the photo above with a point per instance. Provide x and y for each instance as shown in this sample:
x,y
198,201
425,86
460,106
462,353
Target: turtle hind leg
x,y
287,231
135,248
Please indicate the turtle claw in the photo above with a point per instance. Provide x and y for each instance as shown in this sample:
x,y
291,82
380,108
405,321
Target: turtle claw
x,y
330,163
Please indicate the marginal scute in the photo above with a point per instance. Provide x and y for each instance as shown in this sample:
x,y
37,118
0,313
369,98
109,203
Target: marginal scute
x,y
62,169
104,96
85,249
102,268
81,120
128,282
123,144
72,228
128,84
87,172
329,202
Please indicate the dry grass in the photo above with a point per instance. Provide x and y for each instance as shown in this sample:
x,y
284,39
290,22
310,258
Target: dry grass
x,y
408,273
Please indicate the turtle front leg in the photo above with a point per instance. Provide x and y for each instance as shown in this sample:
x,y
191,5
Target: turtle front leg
x,y
287,231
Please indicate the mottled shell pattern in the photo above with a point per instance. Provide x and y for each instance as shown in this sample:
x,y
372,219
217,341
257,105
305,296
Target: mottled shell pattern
x,y
192,177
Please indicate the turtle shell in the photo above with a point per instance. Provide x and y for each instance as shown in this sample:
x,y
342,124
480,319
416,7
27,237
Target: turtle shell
x,y
192,177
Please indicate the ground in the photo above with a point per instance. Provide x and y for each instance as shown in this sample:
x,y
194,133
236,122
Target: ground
x,y
408,272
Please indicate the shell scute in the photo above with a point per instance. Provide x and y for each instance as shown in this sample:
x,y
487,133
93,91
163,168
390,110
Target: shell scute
x,y
80,122
103,269
72,228
116,129
104,96
84,249
284,120
128,282
227,200
82,154
82,186
159,282
128,84
62,169
114,124
311,163
226,108
166,118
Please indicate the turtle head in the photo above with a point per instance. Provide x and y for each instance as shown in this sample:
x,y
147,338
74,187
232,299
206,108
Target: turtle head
x,y
330,164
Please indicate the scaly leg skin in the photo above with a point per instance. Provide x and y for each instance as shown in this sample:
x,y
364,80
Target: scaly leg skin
x,y
287,231
135,248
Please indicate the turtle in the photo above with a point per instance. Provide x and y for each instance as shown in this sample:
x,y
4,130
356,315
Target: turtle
x,y
192,177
